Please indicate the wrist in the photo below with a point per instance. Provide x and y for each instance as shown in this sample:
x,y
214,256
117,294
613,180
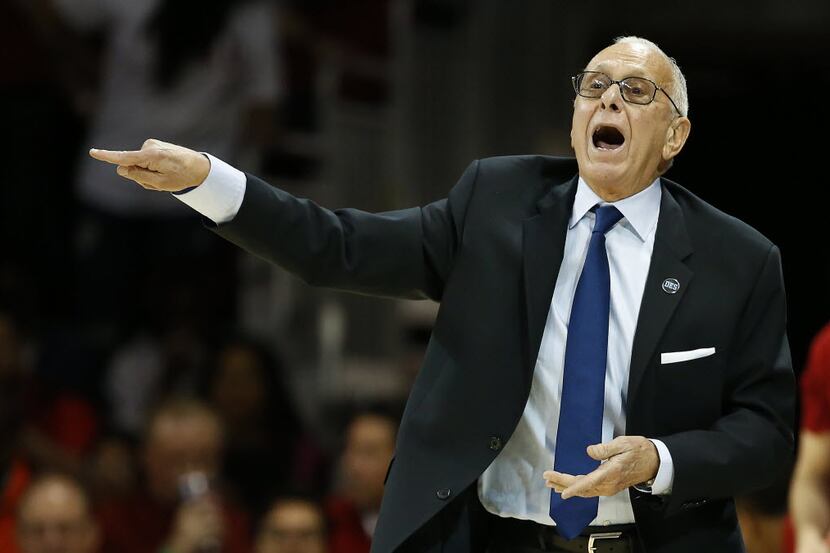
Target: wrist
x,y
202,168
654,465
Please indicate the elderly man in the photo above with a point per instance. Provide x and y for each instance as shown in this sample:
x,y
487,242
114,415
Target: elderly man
x,y
609,366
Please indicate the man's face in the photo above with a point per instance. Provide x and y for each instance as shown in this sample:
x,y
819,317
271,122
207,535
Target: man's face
x,y
55,518
650,134
176,446
370,443
292,527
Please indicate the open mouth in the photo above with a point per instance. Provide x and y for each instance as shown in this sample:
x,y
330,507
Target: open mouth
x,y
608,138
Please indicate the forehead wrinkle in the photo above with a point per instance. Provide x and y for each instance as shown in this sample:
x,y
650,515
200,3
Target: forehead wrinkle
x,y
635,66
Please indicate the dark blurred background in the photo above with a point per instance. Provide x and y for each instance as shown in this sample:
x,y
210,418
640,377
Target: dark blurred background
x,y
120,314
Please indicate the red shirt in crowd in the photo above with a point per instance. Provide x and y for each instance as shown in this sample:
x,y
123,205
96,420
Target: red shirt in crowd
x,y
140,525
10,494
346,533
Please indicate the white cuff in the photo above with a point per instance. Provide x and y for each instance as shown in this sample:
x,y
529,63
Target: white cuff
x,y
220,196
665,474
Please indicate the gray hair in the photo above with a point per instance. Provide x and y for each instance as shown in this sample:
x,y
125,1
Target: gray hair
x,y
677,88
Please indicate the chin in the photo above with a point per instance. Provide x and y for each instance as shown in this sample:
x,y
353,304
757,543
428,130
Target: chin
x,y
602,173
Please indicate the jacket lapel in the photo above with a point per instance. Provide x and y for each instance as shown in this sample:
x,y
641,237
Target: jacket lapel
x,y
671,247
543,245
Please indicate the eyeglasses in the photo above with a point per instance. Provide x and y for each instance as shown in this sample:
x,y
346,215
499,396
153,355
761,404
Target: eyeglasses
x,y
635,90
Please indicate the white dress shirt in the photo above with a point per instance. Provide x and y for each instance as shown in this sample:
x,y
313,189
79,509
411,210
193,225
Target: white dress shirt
x,y
512,486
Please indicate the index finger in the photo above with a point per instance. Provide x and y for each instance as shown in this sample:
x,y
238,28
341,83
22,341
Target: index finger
x,y
119,157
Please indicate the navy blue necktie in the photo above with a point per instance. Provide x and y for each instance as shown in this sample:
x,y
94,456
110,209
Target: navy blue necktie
x,y
583,385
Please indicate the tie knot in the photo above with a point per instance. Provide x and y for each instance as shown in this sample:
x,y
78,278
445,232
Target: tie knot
x,y
607,217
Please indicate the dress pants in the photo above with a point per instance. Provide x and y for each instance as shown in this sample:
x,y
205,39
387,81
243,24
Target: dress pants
x,y
465,526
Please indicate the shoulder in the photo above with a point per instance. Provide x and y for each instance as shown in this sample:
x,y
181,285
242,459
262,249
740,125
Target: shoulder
x,y
711,228
512,185
528,165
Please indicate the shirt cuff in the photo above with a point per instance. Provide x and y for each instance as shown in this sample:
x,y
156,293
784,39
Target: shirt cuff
x,y
220,196
664,480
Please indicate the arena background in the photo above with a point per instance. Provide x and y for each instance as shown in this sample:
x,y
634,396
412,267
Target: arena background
x,y
382,104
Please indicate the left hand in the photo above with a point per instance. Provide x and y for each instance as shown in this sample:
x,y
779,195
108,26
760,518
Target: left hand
x,y
626,461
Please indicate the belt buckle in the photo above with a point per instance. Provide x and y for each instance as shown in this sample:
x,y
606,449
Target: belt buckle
x,y
592,539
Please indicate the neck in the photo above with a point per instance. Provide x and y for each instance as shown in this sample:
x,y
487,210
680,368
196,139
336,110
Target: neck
x,y
613,192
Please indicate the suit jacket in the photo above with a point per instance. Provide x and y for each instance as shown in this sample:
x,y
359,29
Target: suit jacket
x,y
490,253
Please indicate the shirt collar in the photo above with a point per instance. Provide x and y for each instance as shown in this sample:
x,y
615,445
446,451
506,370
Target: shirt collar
x,y
640,210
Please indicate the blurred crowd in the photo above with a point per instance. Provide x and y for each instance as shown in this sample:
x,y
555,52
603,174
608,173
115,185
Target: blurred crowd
x,y
143,409
138,412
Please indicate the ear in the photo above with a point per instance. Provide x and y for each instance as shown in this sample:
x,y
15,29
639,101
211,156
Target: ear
x,y
676,136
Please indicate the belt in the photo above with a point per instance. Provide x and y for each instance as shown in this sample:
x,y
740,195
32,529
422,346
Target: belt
x,y
621,538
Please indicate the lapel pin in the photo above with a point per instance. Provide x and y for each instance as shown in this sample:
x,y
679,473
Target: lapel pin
x,y
671,286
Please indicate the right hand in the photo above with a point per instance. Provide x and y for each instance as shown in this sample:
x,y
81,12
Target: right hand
x,y
198,527
159,165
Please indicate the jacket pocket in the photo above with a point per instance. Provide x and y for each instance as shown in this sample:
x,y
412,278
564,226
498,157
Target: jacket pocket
x,y
688,355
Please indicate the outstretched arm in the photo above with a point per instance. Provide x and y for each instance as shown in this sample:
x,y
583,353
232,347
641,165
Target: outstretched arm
x,y
405,253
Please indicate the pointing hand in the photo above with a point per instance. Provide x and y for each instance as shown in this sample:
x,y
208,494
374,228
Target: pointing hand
x,y
158,165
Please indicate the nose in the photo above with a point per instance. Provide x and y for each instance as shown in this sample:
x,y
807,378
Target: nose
x,y
611,98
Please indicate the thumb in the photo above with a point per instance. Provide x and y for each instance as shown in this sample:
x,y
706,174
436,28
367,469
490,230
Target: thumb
x,y
601,452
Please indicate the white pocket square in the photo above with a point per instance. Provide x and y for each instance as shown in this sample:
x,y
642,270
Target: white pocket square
x,y
680,356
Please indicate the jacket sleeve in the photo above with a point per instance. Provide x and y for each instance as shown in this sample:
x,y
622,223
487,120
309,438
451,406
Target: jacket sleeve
x,y
752,444
406,253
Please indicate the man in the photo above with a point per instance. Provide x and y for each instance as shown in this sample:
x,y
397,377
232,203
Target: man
x,y
292,525
179,509
353,513
662,353
810,493
55,517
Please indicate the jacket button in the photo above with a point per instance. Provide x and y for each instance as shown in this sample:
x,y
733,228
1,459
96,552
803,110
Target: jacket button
x,y
495,443
443,493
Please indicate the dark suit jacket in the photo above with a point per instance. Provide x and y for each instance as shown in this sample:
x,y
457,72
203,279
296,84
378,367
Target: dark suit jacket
x,y
490,253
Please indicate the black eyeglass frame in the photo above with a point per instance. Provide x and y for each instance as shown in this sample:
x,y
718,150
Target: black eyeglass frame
x,y
619,83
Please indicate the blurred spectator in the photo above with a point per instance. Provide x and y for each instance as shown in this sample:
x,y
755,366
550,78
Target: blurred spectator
x,y
292,525
266,449
55,517
56,427
353,512
810,492
180,505
14,468
152,365
762,516
185,71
